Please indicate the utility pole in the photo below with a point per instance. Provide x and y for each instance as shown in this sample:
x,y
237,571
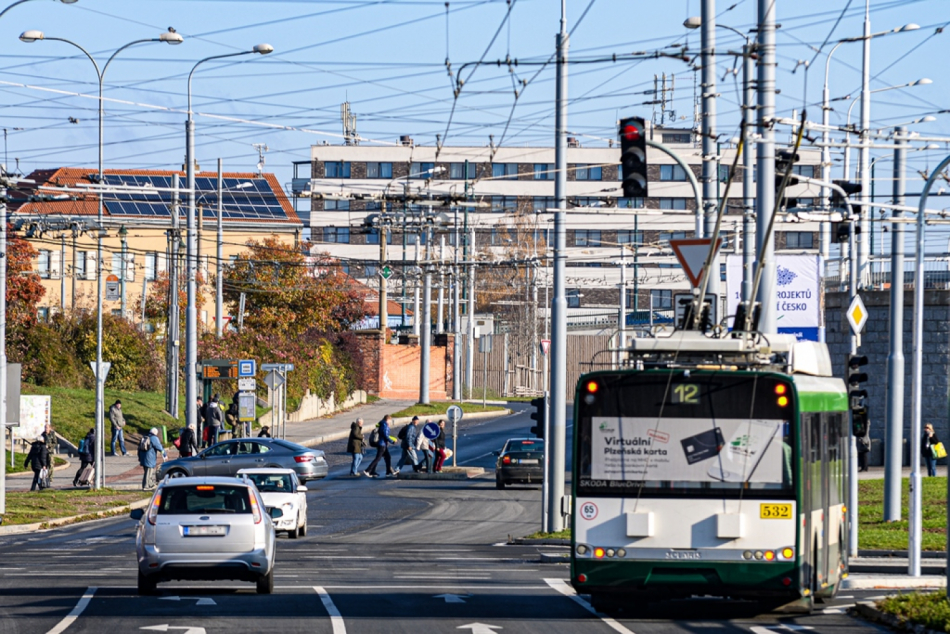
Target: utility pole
x,y
765,194
72,303
415,294
62,273
426,325
894,425
470,347
558,424
456,319
865,150
622,317
123,268
3,340
172,339
383,299
440,322
852,441
219,269
710,146
748,197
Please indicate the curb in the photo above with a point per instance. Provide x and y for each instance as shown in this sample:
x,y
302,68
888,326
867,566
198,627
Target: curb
x,y
868,611
62,521
555,558
892,582
397,423
460,473
902,554
544,541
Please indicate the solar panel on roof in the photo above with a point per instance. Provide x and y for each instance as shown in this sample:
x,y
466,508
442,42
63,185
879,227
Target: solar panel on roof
x,y
242,199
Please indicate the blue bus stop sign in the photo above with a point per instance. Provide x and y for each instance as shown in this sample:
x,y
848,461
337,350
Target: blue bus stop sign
x,y
431,431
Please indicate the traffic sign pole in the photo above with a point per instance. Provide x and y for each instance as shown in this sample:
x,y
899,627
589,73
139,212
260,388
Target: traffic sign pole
x,y
455,415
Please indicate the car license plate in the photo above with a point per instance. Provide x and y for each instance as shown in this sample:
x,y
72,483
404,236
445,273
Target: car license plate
x,y
528,461
775,511
205,531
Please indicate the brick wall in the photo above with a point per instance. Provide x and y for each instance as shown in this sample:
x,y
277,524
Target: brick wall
x,y
393,371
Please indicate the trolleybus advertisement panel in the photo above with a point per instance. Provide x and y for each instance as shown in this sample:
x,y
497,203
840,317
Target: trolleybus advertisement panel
x,y
687,450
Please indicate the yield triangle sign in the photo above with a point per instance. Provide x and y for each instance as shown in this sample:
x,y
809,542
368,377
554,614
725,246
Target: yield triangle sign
x,y
692,256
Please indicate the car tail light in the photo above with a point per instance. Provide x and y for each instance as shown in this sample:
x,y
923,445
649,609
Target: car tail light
x,y
255,509
506,460
304,458
153,509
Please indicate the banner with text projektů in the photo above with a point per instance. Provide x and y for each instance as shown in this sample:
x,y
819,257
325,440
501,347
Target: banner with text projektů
x,y
797,293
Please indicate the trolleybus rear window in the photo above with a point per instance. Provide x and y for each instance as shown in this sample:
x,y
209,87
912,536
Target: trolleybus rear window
x,y
663,434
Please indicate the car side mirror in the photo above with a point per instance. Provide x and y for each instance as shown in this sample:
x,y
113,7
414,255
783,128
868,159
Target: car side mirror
x,y
301,489
276,513
137,514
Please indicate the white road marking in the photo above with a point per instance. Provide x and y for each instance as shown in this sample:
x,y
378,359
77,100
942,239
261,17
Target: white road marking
x,y
452,598
201,600
76,611
564,588
480,628
460,577
336,619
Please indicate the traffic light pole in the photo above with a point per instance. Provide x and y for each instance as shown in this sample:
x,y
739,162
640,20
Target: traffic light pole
x,y
765,195
852,441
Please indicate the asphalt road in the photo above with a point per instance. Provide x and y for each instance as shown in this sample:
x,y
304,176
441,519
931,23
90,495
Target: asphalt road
x,y
381,555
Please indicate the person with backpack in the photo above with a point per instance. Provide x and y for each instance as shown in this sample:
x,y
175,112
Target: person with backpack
x,y
38,460
87,456
380,439
118,422
149,448
188,441
424,451
354,446
407,436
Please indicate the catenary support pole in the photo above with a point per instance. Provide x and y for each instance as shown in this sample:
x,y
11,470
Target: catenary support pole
x,y
426,325
415,293
852,441
765,195
62,273
865,151
173,343
556,441
219,254
440,311
470,340
3,342
456,318
894,423
710,158
191,272
383,282
748,189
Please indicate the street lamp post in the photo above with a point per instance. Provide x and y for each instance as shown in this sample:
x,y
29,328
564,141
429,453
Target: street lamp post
x,y
171,38
191,312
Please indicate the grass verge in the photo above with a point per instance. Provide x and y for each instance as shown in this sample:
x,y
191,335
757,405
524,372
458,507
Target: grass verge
x,y
928,609
564,533
24,507
18,459
875,533
439,409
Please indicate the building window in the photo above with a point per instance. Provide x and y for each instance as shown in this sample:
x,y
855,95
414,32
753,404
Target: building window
x,y
541,204
338,235
457,171
336,205
337,169
680,137
799,240
587,237
808,171
379,170
588,172
373,236
504,203
573,298
504,171
80,260
421,170
629,236
632,303
544,171
116,263
672,173
46,257
345,268
723,173
587,201
661,299
672,203
630,203
369,270
666,236
151,264
42,313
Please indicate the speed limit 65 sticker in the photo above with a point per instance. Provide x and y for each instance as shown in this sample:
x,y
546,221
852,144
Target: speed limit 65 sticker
x,y
588,510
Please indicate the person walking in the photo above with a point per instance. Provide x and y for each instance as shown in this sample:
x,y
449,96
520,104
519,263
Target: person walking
x,y
408,436
927,443
439,448
188,441
424,451
215,419
382,448
149,448
200,423
354,446
38,459
52,446
118,423
231,418
265,432
87,454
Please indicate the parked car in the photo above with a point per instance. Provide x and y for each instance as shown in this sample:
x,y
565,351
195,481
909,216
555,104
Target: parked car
x,y
205,529
230,456
520,460
281,489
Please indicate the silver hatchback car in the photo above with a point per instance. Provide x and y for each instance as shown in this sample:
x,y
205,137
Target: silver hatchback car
x,y
205,528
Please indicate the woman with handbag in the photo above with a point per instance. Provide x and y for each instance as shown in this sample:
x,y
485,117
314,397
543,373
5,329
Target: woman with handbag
x,y
931,448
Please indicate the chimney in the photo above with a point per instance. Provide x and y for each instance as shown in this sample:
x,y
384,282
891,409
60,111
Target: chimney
x,y
572,142
405,140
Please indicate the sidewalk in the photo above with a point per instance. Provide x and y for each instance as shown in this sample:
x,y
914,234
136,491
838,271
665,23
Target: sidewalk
x,y
124,472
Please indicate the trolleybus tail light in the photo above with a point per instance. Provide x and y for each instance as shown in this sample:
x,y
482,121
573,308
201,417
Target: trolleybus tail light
x,y
788,553
621,552
769,555
780,389
582,549
582,578
747,554
786,581
610,552
599,553
758,554
592,387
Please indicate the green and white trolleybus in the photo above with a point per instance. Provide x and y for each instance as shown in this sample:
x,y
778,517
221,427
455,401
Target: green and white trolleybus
x,y
711,466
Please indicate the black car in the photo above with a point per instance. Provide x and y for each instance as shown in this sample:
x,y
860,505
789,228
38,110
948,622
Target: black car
x,y
521,460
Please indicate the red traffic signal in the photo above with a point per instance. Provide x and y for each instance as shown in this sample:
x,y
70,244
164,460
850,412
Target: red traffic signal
x,y
630,131
633,157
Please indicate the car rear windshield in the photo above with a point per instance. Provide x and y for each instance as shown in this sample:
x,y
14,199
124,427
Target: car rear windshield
x,y
195,499
272,482
524,445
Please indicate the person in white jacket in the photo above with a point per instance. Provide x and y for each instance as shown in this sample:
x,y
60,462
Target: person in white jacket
x,y
424,449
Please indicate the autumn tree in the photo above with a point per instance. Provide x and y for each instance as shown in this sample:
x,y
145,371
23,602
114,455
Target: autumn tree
x,y
24,289
156,302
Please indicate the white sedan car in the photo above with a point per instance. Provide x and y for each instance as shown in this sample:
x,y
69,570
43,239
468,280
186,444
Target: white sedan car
x,y
281,489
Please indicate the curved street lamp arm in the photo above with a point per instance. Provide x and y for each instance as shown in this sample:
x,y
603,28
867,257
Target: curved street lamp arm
x,y
85,52
202,61
122,48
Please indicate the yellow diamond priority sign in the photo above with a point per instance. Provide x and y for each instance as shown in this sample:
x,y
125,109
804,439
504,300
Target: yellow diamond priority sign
x,y
857,314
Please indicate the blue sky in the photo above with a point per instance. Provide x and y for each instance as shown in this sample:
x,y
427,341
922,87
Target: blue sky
x,y
388,58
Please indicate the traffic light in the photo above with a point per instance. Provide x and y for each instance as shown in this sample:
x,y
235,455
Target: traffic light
x,y
857,395
849,188
782,161
633,157
538,415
